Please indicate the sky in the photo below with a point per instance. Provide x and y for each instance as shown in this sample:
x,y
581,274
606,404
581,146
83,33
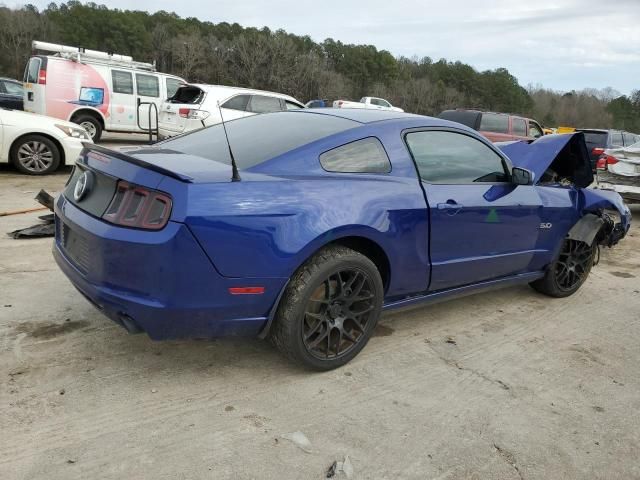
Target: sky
x,y
559,44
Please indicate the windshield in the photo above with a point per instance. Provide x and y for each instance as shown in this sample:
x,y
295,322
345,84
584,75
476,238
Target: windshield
x,y
258,138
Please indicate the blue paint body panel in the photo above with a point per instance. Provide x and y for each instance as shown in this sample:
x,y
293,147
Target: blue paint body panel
x,y
174,283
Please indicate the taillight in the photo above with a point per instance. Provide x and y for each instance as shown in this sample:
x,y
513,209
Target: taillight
x,y
610,160
42,77
340,102
605,160
601,164
597,151
193,114
138,207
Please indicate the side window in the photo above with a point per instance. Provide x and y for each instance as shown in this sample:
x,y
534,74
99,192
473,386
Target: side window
x,y
32,70
379,102
291,106
492,122
534,130
616,139
362,156
13,88
172,86
148,85
454,158
122,82
239,102
264,104
628,139
519,126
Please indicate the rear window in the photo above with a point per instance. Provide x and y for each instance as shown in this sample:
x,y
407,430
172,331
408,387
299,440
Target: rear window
x,y
464,117
188,94
258,138
492,122
595,139
32,70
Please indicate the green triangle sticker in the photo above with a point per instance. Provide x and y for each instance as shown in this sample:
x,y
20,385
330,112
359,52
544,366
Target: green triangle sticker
x,y
492,217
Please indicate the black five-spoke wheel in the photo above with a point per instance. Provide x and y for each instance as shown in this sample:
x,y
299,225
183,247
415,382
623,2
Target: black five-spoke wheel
x,y
337,314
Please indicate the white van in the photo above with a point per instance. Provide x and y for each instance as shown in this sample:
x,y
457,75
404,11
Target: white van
x,y
195,106
97,90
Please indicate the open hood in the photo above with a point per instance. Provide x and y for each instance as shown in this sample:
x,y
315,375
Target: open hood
x,y
553,159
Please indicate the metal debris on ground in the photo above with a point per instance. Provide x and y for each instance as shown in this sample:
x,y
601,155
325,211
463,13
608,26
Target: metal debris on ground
x,y
341,467
44,229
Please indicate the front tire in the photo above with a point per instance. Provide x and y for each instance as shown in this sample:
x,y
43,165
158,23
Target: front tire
x,y
329,309
570,270
35,155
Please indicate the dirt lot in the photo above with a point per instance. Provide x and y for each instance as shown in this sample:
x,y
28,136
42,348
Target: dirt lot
x,y
505,385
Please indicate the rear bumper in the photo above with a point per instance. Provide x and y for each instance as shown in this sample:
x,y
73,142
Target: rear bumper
x,y
163,285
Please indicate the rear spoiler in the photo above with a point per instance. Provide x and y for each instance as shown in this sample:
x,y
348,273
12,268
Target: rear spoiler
x,y
102,151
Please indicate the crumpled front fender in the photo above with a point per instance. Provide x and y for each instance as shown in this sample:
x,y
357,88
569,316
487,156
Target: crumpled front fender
x,y
597,202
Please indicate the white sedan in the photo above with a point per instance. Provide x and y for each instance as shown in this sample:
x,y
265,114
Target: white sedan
x,y
36,144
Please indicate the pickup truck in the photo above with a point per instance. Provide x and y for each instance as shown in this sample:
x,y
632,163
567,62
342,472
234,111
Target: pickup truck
x,y
497,127
372,103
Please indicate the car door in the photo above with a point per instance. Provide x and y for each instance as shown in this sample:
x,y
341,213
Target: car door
x,y
481,225
147,92
235,107
122,105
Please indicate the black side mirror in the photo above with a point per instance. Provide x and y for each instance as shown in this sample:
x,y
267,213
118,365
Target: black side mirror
x,y
521,176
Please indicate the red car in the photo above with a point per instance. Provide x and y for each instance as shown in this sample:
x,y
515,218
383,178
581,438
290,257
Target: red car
x,y
497,127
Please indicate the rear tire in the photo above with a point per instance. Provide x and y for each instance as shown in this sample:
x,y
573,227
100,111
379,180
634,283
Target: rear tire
x,y
35,155
568,272
330,308
91,124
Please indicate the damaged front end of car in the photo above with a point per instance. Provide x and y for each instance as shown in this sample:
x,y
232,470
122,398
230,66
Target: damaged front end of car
x,y
563,161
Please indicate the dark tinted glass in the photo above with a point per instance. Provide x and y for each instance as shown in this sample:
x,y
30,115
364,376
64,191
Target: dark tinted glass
x,y
148,85
491,122
263,104
519,127
595,139
468,118
239,102
258,138
362,156
122,82
453,158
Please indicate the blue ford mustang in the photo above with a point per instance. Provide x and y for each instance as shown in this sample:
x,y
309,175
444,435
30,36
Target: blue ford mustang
x,y
303,226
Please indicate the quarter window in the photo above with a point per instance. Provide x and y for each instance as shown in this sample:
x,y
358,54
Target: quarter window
x,y
264,104
454,158
519,127
148,85
616,139
172,86
628,139
239,102
291,105
492,122
362,156
122,82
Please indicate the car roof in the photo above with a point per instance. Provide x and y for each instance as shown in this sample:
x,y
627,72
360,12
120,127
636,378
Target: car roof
x,y
229,90
363,115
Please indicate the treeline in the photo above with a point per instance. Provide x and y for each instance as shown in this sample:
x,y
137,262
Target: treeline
x,y
223,53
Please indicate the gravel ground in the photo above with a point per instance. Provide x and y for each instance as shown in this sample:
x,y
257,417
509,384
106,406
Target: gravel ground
x,y
502,385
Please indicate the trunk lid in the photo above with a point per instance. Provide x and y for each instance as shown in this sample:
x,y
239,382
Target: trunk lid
x,y
172,115
553,158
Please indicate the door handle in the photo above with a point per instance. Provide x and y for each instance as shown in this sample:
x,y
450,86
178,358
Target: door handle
x,y
449,205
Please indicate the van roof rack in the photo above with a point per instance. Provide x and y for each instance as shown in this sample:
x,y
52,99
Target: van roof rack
x,y
83,55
